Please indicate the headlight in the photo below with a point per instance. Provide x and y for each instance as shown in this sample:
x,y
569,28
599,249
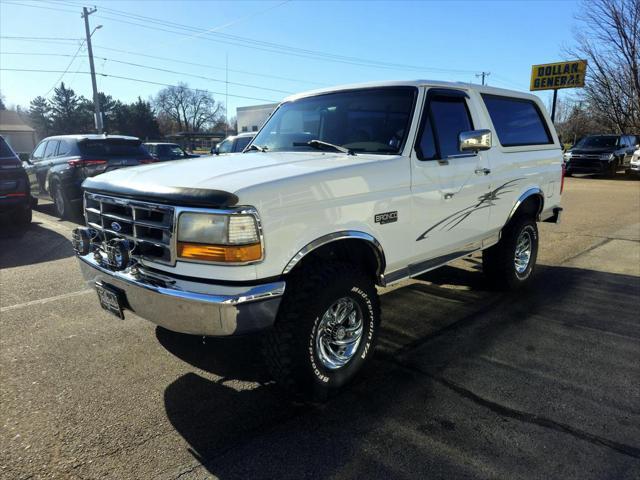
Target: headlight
x,y
218,238
567,155
606,156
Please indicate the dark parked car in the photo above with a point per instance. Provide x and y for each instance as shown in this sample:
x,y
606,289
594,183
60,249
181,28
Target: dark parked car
x,y
15,197
602,154
168,151
58,165
233,143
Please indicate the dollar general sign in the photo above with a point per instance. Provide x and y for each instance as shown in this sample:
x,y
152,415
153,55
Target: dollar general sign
x,y
552,76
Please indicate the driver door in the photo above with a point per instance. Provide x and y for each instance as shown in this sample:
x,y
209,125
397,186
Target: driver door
x,y
449,187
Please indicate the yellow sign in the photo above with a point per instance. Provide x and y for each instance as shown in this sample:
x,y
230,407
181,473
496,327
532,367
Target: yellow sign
x,y
552,76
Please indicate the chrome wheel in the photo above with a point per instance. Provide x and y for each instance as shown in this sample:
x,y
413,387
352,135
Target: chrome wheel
x,y
339,333
524,247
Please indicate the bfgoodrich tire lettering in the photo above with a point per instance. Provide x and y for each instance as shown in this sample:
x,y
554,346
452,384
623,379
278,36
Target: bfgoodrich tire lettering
x,y
291,351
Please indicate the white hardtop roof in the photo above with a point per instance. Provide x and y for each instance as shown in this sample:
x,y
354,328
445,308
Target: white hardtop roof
x,y
91,136
412,83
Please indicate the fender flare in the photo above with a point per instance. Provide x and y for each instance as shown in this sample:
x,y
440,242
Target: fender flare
x,y
530,192
338,236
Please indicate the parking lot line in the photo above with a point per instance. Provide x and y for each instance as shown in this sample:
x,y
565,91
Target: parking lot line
x,y
45,300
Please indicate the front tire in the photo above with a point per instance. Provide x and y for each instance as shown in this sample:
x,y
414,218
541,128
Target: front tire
x,y
326,329
510,263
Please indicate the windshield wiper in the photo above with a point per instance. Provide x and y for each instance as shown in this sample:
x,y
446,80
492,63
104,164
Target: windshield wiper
x,y
256,147
320,145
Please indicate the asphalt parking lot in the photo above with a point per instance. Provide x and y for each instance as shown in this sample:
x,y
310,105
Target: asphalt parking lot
x,y
467,382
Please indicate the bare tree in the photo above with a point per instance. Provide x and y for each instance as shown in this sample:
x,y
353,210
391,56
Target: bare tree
x,y
188,109
608,36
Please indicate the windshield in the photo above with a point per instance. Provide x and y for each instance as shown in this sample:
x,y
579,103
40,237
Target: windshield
x,y
368,120
598,142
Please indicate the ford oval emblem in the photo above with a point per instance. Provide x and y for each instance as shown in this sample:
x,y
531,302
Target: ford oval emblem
x,y
116,227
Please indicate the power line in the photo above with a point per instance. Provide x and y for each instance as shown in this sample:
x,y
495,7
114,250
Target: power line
x,y
108,75
179,29
75,55
158,69
156,57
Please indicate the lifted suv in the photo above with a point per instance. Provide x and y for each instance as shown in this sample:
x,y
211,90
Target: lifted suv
x,y
342,190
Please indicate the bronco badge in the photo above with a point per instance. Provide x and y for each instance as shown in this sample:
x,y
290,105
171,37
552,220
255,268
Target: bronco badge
x,y
388,217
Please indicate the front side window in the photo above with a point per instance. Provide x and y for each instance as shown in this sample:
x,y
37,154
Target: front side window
x,y
517,121
38,153
444,119
225,146
50,151
369,120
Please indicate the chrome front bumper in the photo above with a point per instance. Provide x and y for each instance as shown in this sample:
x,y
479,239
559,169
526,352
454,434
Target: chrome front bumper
x,y
190,307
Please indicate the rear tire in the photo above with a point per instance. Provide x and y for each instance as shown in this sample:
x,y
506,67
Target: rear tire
x,y
61,203
510,263
310,351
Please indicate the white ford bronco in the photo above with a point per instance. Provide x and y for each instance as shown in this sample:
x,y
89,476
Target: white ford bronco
x,y
341,190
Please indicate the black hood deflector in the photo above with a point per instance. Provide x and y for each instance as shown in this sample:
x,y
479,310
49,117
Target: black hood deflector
x,y
177,196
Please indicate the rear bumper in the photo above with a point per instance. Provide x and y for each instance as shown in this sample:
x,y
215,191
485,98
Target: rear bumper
x,y
190,307
12,203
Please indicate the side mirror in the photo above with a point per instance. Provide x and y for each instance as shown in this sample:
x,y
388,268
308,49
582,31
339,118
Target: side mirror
x,y
474,140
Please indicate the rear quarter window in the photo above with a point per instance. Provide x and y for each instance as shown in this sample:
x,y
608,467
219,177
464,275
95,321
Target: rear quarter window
x,y
113,148
517,121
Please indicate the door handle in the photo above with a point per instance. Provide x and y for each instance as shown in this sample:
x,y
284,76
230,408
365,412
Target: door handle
x,y
483,171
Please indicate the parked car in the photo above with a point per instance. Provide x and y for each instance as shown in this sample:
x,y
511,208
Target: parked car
x,y
603,154
58,165
15,195
233,143
168,151
634,163
342,190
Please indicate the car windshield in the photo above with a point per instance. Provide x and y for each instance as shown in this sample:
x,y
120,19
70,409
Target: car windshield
x,y
598,142
113,147
367,120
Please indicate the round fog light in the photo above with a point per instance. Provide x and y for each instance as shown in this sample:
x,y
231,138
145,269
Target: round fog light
x,y
81,241
118,253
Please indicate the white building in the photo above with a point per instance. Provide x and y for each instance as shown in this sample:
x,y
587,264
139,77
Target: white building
x,y
250,119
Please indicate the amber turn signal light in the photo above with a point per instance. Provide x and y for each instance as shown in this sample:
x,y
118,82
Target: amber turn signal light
x,y
220,253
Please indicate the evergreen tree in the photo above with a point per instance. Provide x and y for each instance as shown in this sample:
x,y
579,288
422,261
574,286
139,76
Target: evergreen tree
x,y
40,116
66,111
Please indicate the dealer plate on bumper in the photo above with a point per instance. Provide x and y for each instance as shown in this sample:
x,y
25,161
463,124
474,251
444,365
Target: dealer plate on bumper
x,y
110,299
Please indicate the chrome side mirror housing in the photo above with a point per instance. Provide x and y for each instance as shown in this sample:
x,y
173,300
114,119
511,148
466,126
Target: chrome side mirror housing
x,y
474,140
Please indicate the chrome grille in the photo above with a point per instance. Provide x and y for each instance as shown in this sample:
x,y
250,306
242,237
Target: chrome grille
x,y
149,226
585,156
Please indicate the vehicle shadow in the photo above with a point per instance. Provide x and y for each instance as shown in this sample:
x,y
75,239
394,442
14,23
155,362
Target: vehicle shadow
x,y
49,209
30,245
249,429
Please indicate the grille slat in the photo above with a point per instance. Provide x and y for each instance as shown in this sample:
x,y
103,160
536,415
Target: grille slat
x,y
148,226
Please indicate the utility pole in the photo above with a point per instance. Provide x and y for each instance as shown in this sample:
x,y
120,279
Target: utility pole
x,y
226,99
96,100
483,74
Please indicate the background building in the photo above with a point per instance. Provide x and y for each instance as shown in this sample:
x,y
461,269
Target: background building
x,y
16,132
250,119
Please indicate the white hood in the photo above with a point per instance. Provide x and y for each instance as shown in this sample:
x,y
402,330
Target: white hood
x,y
230,173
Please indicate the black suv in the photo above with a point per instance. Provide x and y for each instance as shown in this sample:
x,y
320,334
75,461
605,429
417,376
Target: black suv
x,y
602,154
15,197
58,165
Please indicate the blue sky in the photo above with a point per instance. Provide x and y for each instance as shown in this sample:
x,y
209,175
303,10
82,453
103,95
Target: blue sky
x,y
444,40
